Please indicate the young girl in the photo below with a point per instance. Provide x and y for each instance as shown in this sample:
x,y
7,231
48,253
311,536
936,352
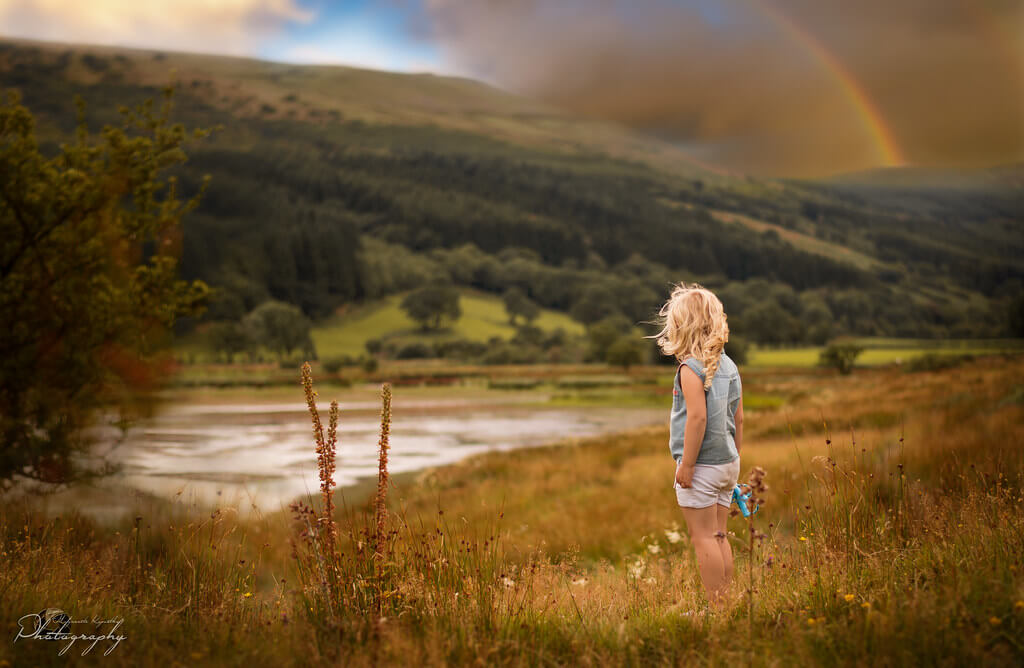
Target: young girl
x,y
706,426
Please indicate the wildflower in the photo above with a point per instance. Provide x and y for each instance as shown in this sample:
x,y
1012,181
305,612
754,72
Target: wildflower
x,y
654,548
636,569
995,621
810,621
803,539
580,583
673,536
1018,605
866,605
248,594
849,597
508,582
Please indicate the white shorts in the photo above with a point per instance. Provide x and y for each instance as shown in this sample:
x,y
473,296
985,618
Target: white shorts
x,y
711,484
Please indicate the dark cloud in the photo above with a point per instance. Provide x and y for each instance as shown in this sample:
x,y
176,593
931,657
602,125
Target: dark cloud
x,y
724,77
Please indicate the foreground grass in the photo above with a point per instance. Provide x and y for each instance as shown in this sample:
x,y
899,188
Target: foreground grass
x,y
891,535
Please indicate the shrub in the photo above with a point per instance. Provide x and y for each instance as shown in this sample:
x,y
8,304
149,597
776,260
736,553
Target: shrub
x,y
738,349
414,350
936,362
840,356
508,353
333,365
461,349
625,352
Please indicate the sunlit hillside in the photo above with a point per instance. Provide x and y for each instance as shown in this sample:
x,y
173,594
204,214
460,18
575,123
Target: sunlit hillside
x,y
244,87
334,187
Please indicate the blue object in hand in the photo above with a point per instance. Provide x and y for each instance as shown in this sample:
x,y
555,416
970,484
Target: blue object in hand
x,y
740,499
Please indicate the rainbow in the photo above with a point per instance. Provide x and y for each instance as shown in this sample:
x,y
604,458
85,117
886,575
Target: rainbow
x,y
887,149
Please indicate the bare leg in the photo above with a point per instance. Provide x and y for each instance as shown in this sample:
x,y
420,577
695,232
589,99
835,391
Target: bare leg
x,y
703,525
723,541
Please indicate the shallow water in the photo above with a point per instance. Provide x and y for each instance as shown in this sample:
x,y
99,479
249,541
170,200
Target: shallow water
x,y
263,453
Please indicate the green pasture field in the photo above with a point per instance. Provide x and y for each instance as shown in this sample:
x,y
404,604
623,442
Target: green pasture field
x,y
483,317
882,351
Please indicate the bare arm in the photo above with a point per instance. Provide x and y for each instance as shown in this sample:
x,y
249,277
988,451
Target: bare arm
x,y
739,425
696,422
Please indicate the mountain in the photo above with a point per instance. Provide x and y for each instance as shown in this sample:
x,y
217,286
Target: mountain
x,y
976,194
332,185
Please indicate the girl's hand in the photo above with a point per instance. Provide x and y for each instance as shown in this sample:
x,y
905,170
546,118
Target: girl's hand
x,y
684,475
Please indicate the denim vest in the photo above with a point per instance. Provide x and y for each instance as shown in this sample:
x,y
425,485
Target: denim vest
x,y
723,398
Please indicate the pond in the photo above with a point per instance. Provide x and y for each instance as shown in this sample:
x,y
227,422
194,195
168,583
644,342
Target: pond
x,y
261,452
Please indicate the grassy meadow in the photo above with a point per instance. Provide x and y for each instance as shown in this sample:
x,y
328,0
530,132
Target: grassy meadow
x,y
891,534
483,317
880,351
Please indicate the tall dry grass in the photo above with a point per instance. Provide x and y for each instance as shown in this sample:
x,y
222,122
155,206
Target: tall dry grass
x,y
891,533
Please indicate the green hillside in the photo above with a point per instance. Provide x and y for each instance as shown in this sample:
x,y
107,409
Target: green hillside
x,y
483,317
334,188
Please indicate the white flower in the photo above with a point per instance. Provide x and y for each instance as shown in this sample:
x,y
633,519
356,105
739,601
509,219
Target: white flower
x,y
508,582
654,548
636,569
673,536
580,583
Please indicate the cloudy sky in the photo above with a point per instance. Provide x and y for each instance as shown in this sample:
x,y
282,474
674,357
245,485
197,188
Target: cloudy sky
x,y
780,87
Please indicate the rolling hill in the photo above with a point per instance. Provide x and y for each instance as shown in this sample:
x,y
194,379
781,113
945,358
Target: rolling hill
x,y
335,186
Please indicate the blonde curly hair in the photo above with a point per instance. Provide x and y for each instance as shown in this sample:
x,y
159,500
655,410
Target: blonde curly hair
x,y
693,325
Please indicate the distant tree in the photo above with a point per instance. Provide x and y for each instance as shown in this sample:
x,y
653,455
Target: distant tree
x,y
818,322
228,339
280,327
333,365
1016,316
431,304
625,352
767,322
529,335
593,305
373,346
602,335
518,304
840,356
89,285
738,349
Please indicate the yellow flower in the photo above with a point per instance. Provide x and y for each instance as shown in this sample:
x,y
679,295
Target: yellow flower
x,y
849,597
248,594
1019,605
810,621
865,605
995,621
803,539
